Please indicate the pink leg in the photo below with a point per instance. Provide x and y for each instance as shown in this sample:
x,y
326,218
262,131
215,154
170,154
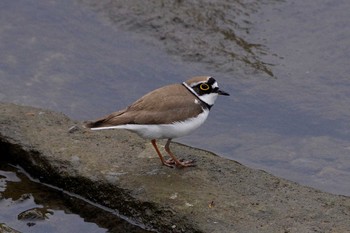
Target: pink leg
x,y
173,159
159,154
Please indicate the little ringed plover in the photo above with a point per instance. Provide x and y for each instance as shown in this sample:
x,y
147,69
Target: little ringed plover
x,y
168,112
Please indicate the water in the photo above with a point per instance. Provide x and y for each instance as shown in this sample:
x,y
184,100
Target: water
x,y
309,113
60,212
72,58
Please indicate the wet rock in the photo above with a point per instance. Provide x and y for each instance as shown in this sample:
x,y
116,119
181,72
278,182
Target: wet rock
x,y
6,229
33,214
111,168
24,197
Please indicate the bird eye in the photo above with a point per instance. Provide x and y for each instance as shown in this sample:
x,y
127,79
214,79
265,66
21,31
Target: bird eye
x,y
204,87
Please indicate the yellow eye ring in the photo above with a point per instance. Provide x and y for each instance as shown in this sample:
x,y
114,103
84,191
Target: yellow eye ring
x,y
204,87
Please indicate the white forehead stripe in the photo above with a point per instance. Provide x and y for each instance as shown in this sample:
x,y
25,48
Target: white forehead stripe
x,y
203,81
209,99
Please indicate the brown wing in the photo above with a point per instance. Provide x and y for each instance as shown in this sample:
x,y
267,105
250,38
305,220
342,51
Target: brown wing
x,y
162,106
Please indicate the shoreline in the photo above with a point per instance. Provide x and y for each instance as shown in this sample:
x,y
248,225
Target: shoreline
x,y
120,171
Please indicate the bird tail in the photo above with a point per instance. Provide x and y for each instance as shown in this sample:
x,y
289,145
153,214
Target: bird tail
x,y
106,121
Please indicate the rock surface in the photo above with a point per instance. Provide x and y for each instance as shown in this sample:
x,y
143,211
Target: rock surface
x,y
6,229
121,171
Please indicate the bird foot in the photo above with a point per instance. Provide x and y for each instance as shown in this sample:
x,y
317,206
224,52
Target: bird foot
x,y
181,163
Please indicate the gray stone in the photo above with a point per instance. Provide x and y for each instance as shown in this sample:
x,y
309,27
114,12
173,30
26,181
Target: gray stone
x,y
6,229
33,214
111,168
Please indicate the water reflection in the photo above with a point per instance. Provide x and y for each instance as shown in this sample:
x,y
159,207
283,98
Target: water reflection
x,y
27,206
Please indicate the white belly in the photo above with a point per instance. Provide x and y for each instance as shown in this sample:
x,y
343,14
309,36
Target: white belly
x,y
177,129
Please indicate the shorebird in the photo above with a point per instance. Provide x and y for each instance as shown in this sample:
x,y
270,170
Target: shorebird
x,y
168,112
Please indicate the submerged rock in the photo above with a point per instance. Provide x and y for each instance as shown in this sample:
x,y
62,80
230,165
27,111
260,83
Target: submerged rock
x,y
34,214
119,170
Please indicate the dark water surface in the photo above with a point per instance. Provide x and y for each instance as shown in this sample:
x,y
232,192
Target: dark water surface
x,y
75,58
28,206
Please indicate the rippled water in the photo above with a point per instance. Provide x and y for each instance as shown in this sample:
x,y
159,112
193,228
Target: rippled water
x,y
75,58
